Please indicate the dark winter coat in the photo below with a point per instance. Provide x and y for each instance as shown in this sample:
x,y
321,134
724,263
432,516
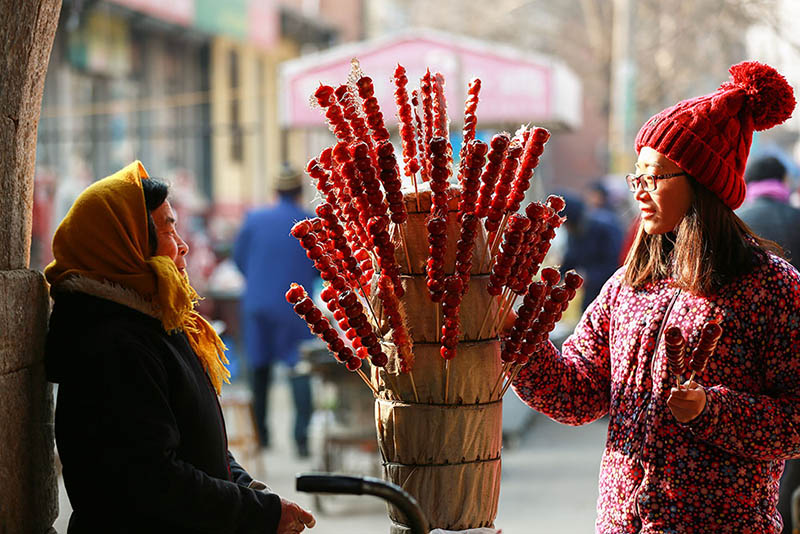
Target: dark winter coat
x,y
139,429
775,220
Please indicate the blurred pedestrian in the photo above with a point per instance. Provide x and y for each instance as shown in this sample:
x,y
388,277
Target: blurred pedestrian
x,y
592,248
707,455
598,200
768,213
138,424
270,260
766,209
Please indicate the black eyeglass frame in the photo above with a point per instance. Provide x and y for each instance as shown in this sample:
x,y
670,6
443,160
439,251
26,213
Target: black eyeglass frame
x,y
635,180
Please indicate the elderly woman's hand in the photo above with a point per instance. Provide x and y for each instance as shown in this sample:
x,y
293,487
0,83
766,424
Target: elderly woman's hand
x,y
687,402
294,518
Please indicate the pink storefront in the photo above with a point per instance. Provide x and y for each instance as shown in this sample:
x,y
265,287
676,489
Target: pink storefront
x,y
517,86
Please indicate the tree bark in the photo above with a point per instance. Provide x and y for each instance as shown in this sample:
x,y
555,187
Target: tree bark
x,y
28,483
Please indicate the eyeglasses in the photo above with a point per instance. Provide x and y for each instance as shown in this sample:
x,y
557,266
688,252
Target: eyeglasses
x,y
648,181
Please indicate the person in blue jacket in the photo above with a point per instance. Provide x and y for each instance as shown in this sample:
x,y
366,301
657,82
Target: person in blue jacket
x,y
270,259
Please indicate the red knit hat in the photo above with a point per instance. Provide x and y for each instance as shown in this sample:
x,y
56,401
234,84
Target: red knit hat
x,y
709,136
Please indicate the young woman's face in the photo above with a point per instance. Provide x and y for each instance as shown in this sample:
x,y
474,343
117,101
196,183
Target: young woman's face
x,y
170,243
661,210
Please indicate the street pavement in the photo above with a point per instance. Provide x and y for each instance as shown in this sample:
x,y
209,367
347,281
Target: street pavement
x,y
549,482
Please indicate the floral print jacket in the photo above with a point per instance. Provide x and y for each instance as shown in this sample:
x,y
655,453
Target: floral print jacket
x,y
718,473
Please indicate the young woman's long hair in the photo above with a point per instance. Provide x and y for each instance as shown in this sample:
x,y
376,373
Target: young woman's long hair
x,y
710,247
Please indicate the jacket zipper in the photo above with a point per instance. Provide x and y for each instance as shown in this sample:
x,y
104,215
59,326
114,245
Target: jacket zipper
x,y
652,379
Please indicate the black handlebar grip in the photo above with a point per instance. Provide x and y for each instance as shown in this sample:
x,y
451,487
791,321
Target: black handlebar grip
x,y
346,485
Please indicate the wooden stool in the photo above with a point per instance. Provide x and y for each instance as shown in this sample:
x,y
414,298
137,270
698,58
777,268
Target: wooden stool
x,y
240,423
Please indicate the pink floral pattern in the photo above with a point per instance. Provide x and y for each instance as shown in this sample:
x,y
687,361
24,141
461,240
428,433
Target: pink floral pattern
x,y
720,472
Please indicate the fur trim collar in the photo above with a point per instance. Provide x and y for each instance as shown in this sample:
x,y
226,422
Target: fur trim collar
x,y
108,291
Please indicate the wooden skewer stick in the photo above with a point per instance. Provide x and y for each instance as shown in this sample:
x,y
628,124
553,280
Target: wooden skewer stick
x,y
405,248
413,385
498,237
485,252
446,379
369,305
501,322
488,312
437,309
499,379
416,191
514,374
483,323
367,381
500,308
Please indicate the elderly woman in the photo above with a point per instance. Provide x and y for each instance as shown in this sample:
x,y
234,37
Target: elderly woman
x,y
138,424
706,456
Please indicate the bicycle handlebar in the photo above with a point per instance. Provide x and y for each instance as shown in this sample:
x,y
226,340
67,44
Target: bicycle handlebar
x,y
351,485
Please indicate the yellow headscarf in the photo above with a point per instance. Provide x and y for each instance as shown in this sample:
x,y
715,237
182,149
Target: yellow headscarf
x,y
104,237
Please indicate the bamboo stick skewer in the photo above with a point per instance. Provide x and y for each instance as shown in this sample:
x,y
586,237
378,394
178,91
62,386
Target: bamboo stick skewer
x,y
367,381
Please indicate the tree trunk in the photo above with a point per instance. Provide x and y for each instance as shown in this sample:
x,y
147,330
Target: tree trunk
x,y
28,488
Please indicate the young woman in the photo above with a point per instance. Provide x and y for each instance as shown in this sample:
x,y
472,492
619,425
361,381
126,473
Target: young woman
x,y
708,456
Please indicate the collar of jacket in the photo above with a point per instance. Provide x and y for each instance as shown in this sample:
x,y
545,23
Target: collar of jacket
x,y
108,291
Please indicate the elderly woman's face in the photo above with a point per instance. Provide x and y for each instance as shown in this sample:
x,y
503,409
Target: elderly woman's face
x,y
661,210
170,243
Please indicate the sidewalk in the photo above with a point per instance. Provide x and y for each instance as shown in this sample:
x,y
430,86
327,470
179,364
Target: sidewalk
x,y
549,481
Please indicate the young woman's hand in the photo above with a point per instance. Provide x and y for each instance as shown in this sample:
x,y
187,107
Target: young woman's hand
x,y
687,402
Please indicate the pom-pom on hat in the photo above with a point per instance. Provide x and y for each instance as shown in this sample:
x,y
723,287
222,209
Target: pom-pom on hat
x,y
709,136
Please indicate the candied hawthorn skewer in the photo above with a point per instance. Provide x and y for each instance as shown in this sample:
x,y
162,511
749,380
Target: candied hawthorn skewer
x,y
365,176
534,148
451,329
326,98
522,270
426,134
372,110
464,247
390,178
497,205
407,132
675,346
440,122
420,133
472,163
512,242
321,327
439,174
378,228
335,232
356,318
470,118
709,337
352,198
406,119
501,267
437,237
349,105
496,155
532,302
538,334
